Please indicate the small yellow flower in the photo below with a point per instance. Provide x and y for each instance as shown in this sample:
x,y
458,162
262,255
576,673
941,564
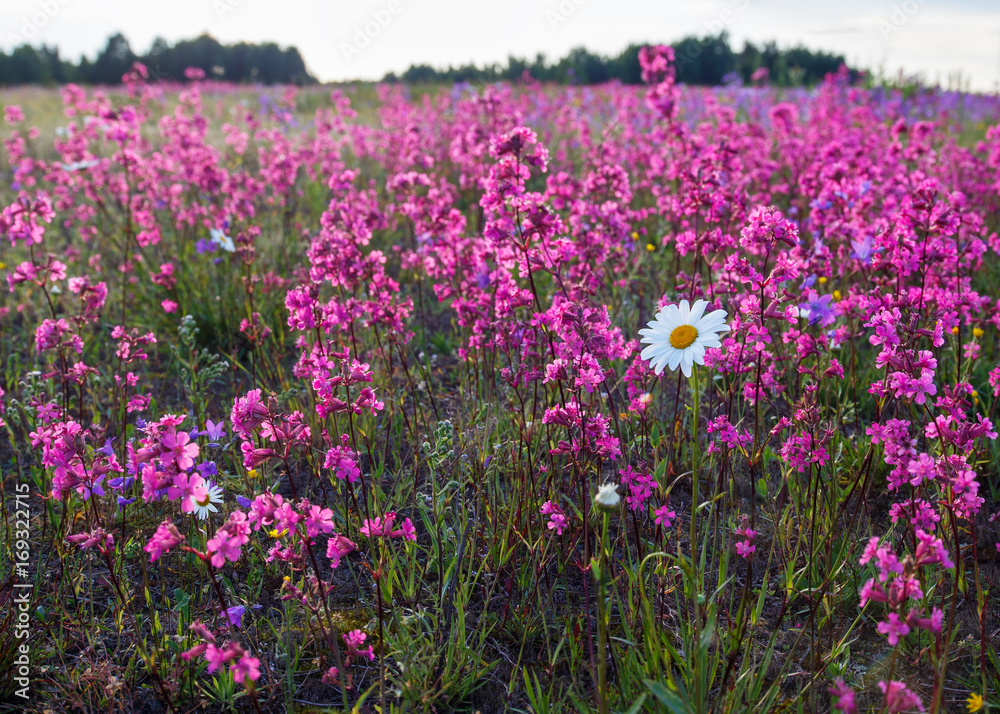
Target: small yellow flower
x,y
635,235
974,703
622,415
975,393
954,330
836,295
2,265
650,247
273,533
977,332
252,473
822,280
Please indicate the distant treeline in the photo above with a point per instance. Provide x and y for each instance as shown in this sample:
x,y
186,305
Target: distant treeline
x,y
243,62
700,60
705,60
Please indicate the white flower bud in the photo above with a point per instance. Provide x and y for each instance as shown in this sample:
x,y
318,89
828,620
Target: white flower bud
x,y
607,498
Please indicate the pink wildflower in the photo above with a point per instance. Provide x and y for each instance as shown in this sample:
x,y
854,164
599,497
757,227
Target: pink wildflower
x,y
899,699
166,537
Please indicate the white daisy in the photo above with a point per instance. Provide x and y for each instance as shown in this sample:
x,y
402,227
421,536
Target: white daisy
x,y
206,505
680,334
79,165
222,240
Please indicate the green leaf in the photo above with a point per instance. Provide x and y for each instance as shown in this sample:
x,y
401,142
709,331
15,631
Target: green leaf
x,y
181,598
667,698
635,708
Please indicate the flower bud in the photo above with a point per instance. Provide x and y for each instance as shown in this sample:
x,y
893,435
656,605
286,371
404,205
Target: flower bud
x,y
607,498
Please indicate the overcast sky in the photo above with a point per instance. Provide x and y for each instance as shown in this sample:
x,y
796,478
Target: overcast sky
x,y
341,39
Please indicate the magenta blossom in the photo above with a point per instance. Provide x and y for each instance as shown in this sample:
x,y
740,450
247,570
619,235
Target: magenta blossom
x,y
166,537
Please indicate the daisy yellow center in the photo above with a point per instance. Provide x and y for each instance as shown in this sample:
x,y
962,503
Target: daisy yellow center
x,y
205,501
683,337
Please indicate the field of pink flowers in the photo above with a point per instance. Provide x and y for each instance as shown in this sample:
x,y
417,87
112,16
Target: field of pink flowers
x,y
338,402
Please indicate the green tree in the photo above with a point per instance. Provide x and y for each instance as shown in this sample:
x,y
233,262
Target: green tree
x,y
113,61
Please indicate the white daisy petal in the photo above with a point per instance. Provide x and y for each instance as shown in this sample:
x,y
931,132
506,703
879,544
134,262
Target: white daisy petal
x,y
660,335
708,331
696,312
708,323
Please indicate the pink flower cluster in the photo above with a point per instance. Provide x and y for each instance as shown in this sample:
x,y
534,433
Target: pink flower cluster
x,y
745,548
557,519
897,584
245,669
354,640
383,526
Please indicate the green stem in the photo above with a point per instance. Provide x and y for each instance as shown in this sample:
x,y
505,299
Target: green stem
x,y
600,574
696,572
